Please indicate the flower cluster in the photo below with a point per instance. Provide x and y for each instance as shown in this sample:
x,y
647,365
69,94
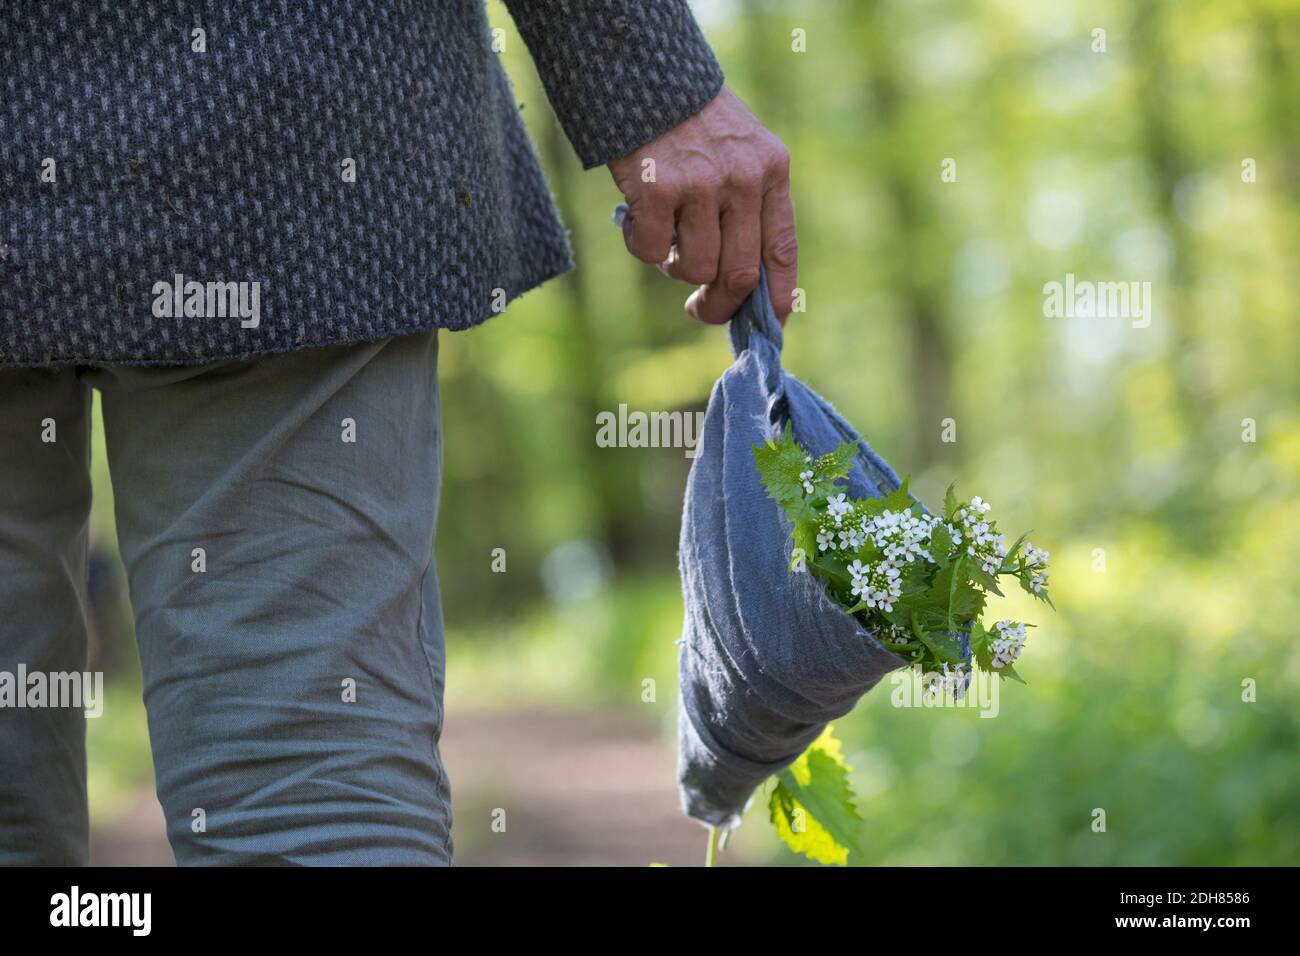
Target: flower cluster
x,y
1036,565
902,535
952,681
876,585
981,536
837,528
918,580
1008,639
900,538
893,634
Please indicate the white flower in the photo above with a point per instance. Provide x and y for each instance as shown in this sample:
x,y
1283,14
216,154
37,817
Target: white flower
x,y
898,635
981,538
955,681
825,540
877,585
850,539
838,505
952,682
806,477
901,535
1035,557
1008,643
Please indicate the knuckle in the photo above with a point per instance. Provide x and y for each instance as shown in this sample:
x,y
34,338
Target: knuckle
x,y
697,274
778,159
704,184
784,250
746,175
740,281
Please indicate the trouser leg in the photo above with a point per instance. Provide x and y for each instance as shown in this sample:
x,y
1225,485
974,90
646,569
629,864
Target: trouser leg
x,y
44,509
276,518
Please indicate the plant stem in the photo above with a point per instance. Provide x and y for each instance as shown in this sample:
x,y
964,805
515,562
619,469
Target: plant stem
x,y
712,855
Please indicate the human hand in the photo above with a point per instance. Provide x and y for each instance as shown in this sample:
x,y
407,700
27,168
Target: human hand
x,y
707,202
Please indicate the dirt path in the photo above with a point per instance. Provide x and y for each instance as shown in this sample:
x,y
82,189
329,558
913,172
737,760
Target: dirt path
x,y
577,789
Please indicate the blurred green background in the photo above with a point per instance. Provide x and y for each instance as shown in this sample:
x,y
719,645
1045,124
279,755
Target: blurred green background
x,y
1175,542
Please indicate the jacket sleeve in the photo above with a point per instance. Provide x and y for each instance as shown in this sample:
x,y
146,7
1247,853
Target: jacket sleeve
x,y
618,73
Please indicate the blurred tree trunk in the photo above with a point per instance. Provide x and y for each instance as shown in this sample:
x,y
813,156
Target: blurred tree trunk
x,y
614,492
763,67
920,263
1278,43
1169,164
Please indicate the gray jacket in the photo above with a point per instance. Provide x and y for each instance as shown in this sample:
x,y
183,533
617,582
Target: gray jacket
x,y
185,182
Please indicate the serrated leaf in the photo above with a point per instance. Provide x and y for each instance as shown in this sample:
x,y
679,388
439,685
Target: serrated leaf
x,y
940,543
985,580
943,645
1040,595
838,463
805,536
950,502
1010,559
834,568
899,499
779,464
812,805
1007,670
980,647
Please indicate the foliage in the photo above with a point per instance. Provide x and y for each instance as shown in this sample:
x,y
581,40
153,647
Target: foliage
x,y
920,582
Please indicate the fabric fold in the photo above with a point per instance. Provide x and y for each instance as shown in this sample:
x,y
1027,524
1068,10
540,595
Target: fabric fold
x,y
767,659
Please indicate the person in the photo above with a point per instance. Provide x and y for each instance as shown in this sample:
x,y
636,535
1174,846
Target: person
x,y
244,225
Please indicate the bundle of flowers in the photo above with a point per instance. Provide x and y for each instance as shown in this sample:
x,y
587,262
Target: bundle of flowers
x,y
919,581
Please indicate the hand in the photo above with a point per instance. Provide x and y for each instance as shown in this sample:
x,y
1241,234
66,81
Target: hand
x,y
722,180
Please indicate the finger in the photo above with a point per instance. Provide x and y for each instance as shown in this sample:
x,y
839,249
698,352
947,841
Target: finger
x,y
694,257
742,249
780,247
648,229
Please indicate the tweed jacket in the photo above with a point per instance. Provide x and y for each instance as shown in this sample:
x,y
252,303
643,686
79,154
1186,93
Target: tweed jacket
x,y
185,182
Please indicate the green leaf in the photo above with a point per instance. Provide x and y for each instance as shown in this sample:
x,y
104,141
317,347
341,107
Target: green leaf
x,y
1010,559
940,544
950,502
779,464
812,805
1043,596
944,646
952,600
985,580
899,499
805,536
954,581
838,463
833,568
1007,670
981,646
